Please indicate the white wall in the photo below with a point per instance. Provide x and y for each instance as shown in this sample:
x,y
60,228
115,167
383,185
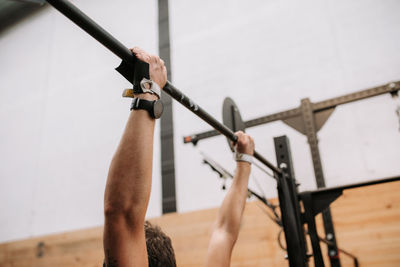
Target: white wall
x,y
61,117
267,55
61,113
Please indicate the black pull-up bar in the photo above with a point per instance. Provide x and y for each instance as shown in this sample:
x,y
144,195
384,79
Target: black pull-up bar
x,y
101,35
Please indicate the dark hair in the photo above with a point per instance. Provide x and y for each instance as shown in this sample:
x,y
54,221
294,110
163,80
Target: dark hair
x,y
159,247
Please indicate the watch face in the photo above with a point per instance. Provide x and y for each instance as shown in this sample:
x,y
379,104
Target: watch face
x,y
158,108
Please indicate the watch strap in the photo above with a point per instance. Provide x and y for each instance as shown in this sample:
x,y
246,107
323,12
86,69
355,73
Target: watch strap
x,y
138,103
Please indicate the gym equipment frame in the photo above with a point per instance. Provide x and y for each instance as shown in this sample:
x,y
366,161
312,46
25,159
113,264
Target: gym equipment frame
x,y
289,198
314,202
292,218
308,119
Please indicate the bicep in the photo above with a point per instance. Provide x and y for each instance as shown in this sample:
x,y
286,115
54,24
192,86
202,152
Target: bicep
x,y
124,243
220,249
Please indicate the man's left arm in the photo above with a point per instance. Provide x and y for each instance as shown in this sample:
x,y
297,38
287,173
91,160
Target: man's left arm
x,y
129,182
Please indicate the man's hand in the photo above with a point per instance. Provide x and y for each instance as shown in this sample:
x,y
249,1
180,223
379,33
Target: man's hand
x,y
157,69
245,143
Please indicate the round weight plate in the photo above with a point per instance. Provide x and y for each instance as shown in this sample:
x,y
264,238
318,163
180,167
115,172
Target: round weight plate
x,y
231,118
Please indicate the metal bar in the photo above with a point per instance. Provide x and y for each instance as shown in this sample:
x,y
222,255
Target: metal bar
x,y
250,123
223,173
189,104
266,162
196,137
375,91
315,201
101,35
316,107
273,117
312,230
93,29
351,186
355,259
311,133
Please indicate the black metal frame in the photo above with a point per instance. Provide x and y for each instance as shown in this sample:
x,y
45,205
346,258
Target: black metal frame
x,y
292,218
315,202
321,109
289,205
308,119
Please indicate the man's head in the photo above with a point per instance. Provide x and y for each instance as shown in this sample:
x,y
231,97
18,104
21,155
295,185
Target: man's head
x,y
159,247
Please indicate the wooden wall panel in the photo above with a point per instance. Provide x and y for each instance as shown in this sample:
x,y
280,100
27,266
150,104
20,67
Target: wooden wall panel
x,y
367,222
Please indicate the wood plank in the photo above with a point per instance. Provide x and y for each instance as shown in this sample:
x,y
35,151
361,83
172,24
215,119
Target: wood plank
x,y
367,223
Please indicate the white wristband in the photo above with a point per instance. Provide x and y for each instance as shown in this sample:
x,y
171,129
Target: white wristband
x,y
243,157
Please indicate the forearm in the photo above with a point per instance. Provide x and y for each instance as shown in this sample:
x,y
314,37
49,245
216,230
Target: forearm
x,y
129,179
231,211
226,231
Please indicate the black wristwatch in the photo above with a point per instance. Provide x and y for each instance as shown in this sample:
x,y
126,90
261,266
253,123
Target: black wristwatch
x,y
155,108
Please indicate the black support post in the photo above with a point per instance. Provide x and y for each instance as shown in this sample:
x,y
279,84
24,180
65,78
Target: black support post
x,y
289,205
167,123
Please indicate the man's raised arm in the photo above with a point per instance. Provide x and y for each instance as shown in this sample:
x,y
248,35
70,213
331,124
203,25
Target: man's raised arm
x,y
226,229
129,181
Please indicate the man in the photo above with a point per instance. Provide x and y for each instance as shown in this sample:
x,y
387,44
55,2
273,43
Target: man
x,y
126,233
